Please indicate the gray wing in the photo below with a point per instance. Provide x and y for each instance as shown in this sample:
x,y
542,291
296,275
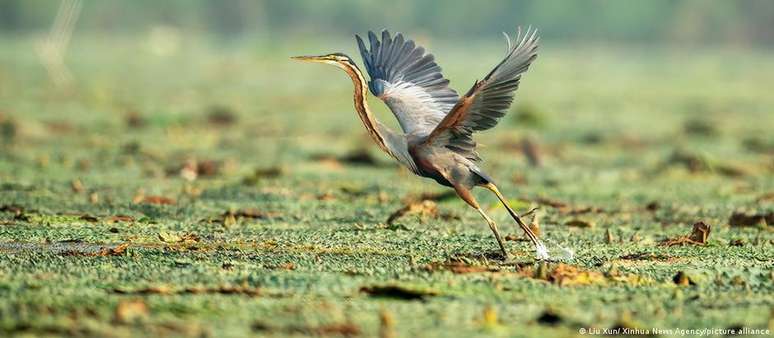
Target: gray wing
x,y
408,80
488,100
397,147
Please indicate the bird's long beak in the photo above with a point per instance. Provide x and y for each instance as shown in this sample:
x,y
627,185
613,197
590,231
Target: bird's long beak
x,y
308,58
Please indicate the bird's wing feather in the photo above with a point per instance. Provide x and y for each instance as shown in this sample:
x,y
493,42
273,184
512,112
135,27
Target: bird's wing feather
x,y
408,80
397,147
488,100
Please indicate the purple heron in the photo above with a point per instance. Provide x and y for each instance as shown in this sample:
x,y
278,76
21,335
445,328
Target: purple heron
x,y
438,124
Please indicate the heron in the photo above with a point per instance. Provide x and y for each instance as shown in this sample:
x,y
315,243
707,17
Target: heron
x,y
438,125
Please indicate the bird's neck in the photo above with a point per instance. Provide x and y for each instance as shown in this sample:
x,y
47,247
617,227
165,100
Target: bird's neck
x,y
361,106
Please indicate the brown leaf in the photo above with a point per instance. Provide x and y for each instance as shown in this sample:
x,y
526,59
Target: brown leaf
x,y
118,250
489,317
551,203
645,256
134,119
386,324
326,196
430,196
519,178
608,236
732,170
549,317
424,209
343,329
336,329
221,116
399,292
77,186
8,129
744,219
635,238
531,152
262,173
565,275
187,171
356,157
463,269
285,266
120,218
583,210
165,290
359,157
575,222
192,169
12,208
700,232
21,217
694,163
129,311
59,127
230,217
208,168
159,200
566,208
160,290
681,278
229,220
252,213
223,290
534,225
190,237
769,196
83,164
460,267
170,237
698,236
330,163
89,218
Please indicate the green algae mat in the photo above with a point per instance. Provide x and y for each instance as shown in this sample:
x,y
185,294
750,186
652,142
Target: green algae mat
x,y
229,192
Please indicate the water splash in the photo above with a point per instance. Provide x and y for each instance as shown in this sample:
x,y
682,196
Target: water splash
x,y
541,252
559,253
565,254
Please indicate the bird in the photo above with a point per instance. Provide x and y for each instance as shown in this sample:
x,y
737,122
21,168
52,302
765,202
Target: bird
x,y
438,124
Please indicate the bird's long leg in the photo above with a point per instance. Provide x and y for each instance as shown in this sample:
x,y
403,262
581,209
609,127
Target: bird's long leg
x,y
493,227
539,247
465,194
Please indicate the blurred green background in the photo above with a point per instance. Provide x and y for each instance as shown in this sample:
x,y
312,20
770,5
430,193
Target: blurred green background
x,y
736,23
167,170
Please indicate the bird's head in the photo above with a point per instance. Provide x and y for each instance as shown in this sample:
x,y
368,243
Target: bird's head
x,y
337,59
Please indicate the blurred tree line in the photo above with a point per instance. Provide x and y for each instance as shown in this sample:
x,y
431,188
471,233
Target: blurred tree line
x,y
735,22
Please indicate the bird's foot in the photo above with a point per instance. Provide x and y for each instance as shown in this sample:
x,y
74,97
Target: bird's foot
x,y
507,257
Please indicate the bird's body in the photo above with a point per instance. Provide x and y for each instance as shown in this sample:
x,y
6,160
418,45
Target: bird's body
x,y
445,166
438,124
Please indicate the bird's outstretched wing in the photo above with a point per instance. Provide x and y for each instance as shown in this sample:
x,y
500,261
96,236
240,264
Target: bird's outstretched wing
x,y
488,100
408,80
